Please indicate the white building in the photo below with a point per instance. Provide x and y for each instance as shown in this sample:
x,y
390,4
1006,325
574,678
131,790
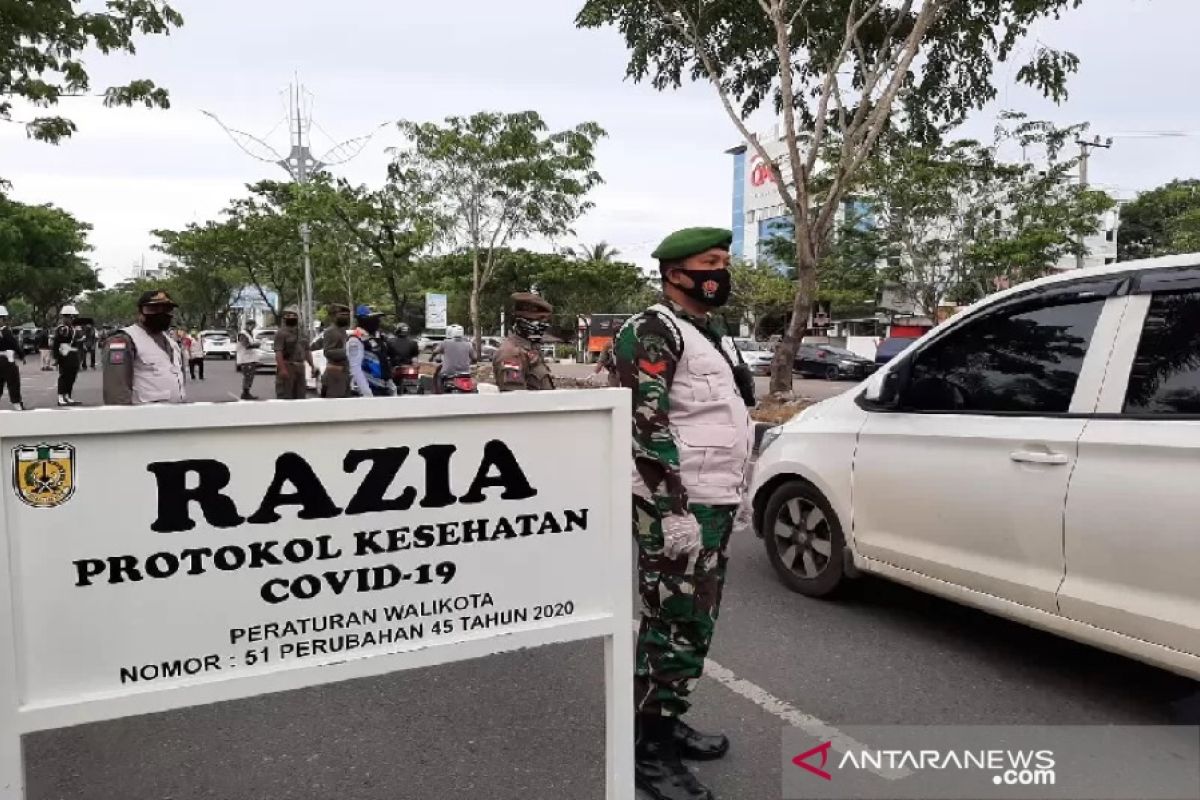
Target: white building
x,y
759,213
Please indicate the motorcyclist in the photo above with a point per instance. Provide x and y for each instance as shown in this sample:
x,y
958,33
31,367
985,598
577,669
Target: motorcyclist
x,y
402,349
366,352
456,354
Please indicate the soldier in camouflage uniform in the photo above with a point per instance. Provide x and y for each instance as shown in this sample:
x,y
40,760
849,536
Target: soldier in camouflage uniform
x,y
691,445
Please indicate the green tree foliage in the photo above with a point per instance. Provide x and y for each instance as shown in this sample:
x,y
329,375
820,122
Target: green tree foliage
x,y
600,251
1160,222
955,222
575,288
502,177
835,71
377,234
760,292
42,257
42,43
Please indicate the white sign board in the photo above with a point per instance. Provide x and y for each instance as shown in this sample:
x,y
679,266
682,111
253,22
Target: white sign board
x,y
435,312
161,557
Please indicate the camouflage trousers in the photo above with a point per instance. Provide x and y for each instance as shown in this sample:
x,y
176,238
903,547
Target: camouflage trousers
x,y
680,604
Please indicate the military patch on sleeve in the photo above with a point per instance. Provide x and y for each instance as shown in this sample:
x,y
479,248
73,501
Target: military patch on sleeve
x,y
654,362
116,352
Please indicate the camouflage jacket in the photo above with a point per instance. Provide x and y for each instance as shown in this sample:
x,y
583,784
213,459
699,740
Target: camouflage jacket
x,y
647,354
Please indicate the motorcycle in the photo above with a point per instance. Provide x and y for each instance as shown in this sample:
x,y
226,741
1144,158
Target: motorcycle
x,y
459,384
407,378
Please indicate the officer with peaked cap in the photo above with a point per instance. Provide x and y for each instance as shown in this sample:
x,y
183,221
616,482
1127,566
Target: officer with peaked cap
x,y
292,353
10,351
692,440
518,364
142,364
335,382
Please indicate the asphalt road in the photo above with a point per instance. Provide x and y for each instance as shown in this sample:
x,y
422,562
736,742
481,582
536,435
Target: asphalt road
x,y
529,725
222,384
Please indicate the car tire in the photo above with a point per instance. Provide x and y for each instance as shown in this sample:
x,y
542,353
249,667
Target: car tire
x,y
832,373
794,544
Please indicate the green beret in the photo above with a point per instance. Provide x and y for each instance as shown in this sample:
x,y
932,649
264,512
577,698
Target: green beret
x,y
690,241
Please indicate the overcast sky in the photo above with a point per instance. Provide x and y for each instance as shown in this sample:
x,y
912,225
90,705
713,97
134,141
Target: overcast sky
x,y
370,61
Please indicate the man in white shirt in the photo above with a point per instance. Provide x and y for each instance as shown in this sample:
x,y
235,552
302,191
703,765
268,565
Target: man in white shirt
x,y
247,358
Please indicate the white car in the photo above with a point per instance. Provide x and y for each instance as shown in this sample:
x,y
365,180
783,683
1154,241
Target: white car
x,y
266,349
218,344
489,346
757,355
318,357
1036,456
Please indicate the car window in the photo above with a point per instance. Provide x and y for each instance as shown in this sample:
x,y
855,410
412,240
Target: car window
x,y
1022,358
838,351
1166,370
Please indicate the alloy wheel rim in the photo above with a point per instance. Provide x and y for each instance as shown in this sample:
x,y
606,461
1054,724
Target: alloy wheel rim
x,y
803,538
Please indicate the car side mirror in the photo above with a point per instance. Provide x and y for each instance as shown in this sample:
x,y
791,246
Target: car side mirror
x,y
885,386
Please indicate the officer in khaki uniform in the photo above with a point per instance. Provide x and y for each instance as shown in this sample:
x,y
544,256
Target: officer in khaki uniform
x,y
518,364
141,363
291,354
336,380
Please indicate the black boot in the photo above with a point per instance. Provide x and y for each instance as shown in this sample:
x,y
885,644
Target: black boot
x,y
657,768
698,746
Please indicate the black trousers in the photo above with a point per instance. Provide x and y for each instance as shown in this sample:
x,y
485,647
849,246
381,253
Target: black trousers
x,y
68,368
196,364
10,376
89,357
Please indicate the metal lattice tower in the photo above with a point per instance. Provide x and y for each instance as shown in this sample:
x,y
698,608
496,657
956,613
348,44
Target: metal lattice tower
x,y
299,164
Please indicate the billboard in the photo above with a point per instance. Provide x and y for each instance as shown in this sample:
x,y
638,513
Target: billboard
x,y
435,312
322,540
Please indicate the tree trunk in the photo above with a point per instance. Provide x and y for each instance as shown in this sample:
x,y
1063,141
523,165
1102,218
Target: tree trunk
x,y
394,291
806,290
476,331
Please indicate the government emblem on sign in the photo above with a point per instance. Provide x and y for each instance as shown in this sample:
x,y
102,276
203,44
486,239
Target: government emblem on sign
x,y
44,476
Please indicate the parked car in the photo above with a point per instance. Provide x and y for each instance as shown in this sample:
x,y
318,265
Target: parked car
x,y
218,344
488,347
757,355
317,347
831,362
29,337
429,341
1035,456
266,351
892,347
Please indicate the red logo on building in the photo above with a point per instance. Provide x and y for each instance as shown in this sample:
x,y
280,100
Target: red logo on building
x,y
760,173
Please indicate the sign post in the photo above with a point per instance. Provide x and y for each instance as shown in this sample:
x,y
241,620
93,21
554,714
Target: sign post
x,y
435,312
321,540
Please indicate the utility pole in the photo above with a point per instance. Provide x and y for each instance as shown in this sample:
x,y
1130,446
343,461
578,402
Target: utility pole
x,y
301,166
1085,150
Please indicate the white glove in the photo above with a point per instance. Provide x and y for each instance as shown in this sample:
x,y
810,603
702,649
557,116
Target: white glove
x,y
681,535
745,513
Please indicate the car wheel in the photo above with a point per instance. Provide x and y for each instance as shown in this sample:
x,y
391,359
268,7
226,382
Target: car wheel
x,y
832,373
804,540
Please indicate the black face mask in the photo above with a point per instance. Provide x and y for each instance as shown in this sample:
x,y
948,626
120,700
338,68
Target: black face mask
x,y
157,322
711,287
291,323
370,324
531,329
342,322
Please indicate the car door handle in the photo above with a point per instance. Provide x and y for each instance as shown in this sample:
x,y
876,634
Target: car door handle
x,y
1038,457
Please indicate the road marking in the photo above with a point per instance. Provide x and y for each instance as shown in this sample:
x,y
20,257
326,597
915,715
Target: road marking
x,y
792,716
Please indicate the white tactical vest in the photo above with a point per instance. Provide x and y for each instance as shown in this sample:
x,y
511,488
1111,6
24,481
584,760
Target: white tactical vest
x,y
708,419
157,377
